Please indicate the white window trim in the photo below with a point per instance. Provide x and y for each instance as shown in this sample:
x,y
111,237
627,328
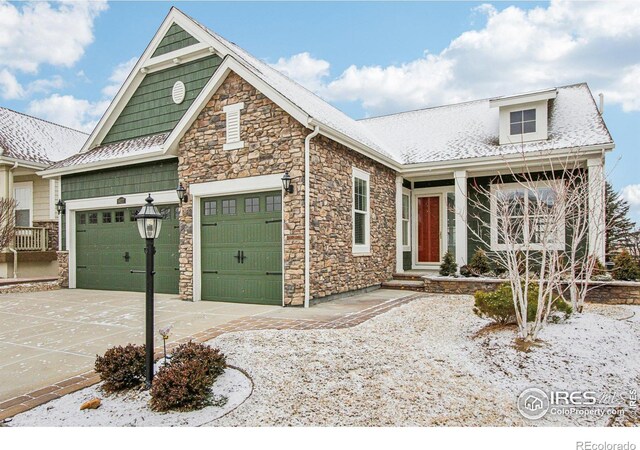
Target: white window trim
x,y
22,185
360,249
231,111
406,247
541,132
495,246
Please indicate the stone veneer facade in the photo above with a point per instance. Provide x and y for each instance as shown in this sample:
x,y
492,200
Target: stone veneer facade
x,y
273,143
52,232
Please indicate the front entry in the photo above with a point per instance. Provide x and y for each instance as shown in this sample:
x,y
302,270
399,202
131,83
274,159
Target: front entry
x,y
429,229
241,250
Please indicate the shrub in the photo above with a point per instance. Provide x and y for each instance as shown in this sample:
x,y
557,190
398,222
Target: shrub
x,y
185,384
449,267
121,367
625,268
499,306
480,263
212,358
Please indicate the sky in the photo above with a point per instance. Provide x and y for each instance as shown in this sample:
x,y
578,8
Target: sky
x,y
65,61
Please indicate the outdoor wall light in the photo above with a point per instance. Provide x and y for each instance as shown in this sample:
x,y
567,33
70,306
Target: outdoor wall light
x,y
182,193
286,183
60,207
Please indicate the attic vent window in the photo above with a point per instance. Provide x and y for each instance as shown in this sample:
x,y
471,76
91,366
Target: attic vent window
x,y
232,113
523,121
178,92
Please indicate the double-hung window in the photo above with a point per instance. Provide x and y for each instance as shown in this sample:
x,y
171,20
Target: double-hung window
x,y
526,217
232,113
405,220
361,212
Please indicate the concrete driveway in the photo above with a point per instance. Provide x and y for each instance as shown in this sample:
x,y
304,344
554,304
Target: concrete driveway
x,y
49,336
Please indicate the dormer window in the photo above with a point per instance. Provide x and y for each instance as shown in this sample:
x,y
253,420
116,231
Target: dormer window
x,y
523,122
524,118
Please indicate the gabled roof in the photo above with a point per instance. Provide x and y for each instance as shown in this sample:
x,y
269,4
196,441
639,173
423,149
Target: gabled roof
x,y
26,138
446,133
470,130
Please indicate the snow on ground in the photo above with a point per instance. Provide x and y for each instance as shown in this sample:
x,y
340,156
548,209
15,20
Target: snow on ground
x,y
428,363
130,409
424,364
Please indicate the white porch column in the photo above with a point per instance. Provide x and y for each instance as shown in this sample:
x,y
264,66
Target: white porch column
x,y
597,225
460,177
399,264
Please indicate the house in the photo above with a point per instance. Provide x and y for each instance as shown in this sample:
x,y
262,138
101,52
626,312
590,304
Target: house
x,y
200,112
27,146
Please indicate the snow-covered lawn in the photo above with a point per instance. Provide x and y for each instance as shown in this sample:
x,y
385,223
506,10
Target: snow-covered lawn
x,y
425,363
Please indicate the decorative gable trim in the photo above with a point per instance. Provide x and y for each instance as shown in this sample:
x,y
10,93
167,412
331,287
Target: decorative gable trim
x,y
176,38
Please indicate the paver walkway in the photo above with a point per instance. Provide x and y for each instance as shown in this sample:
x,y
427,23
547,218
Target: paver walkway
x,y
64,330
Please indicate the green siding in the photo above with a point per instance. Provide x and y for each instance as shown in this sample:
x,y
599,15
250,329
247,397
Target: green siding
x,y
151,109
152,177
406,260
175,39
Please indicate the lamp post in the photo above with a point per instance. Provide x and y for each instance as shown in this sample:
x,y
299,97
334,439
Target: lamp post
x,y
149,222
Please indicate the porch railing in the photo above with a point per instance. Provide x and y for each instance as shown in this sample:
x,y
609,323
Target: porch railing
x,y
31,239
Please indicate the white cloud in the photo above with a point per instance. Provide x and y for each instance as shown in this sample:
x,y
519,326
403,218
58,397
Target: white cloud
x,y
631,194
119,74
38,33
304,69
10,87
70,111
516,50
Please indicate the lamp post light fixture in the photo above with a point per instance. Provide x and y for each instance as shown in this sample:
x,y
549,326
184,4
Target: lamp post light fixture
x,y
60,207
149,222
286,183
182,194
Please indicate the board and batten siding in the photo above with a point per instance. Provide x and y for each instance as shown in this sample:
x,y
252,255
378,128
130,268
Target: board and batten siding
x,y
175,39
151,109
151,177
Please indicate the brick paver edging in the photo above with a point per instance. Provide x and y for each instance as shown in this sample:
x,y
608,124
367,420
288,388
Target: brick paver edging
x,y
25,402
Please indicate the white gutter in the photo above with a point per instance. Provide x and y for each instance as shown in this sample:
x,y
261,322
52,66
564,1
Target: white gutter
x,y
307,208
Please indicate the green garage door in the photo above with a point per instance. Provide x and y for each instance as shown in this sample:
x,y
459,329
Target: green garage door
x,y
242,248
109,247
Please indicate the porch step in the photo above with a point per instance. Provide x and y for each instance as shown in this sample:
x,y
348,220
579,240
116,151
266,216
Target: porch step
x,y
404,285
408,276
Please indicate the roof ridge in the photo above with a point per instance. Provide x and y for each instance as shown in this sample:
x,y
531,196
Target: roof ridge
x,y
468,102
42,120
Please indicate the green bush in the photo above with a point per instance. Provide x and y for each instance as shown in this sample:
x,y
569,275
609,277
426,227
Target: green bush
x,y
479,264
185,384
121,367
625,268
499,306
449,267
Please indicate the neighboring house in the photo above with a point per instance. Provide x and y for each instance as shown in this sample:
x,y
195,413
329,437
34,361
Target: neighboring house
x,y
27,146
197,110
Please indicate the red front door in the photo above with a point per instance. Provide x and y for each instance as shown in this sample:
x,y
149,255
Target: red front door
x,y
429,229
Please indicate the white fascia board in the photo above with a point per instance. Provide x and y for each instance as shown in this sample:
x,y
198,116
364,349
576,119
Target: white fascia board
x,y
488,162
228,65
106,164
22,163
523,98
345,140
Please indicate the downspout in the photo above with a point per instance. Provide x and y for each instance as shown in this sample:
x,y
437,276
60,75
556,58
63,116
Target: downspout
x,y
307,221
11,249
